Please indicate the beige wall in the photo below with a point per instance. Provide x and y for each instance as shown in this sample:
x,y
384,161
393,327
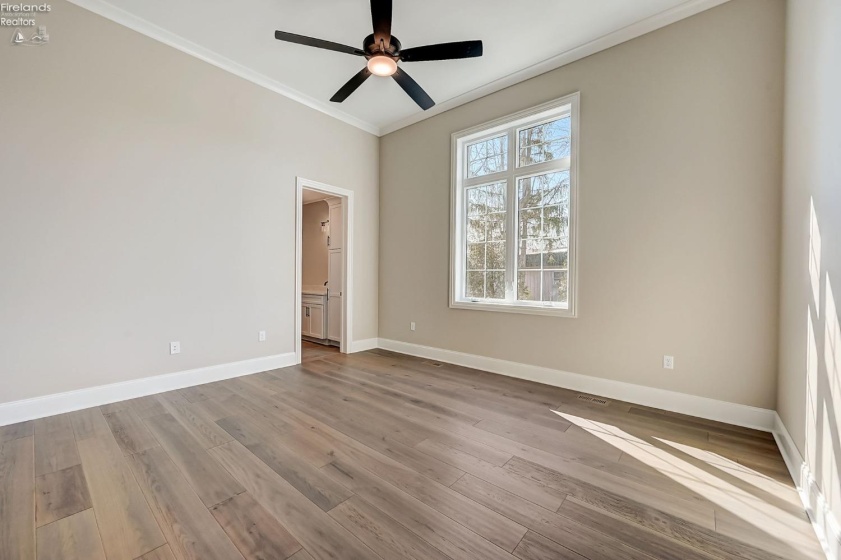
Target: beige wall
x,y
809,398
314,243
679,214
147,197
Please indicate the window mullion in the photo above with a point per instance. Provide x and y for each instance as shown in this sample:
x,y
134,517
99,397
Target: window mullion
x,y
484,179
511,222
562,164
511,242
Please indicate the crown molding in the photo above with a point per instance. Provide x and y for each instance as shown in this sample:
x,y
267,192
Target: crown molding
x,y
652,23
149,29
145,27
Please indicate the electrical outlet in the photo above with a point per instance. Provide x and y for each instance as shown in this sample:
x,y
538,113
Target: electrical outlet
x,y
412,326
668,362
261,336
175,347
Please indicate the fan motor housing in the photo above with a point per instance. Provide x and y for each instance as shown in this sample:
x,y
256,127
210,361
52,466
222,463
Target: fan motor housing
x,y
372,48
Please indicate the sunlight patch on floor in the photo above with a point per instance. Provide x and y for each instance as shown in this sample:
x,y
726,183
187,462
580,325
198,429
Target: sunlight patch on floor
x,y
755,511
737,470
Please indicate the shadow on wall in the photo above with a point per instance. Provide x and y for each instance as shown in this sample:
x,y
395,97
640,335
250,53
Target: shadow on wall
x,y
823,385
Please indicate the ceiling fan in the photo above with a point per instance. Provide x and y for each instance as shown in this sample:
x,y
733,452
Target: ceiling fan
x,y
383,51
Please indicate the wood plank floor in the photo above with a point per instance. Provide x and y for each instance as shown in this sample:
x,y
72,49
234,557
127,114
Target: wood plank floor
x,y
379,455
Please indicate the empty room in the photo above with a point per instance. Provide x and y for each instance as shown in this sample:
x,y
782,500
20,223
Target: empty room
x,y
381,279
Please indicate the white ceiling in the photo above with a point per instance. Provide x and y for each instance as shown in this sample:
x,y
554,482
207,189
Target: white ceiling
x,y
521,39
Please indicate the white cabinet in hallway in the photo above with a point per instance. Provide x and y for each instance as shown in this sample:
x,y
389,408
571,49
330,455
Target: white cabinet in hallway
x,y
313,318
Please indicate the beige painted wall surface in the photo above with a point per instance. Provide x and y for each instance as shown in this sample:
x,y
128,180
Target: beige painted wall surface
x,y
314,244
146,197
809,399
679,214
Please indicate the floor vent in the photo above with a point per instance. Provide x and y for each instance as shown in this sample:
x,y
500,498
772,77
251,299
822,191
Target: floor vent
x,y
593,400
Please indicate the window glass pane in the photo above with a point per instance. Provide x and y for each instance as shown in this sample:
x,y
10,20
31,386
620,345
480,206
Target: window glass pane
x,y
496,226
555,285
486,242
528,285
476,256
531,251
495,285
554,259
476,230
543,237
487,156
530,223
495,259
475,287
477,204
544,142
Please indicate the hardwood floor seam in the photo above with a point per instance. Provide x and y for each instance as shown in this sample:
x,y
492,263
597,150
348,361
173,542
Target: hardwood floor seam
x,y
456,480
149,506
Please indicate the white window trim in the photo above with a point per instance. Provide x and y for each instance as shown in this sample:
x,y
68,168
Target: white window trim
x,y
459,182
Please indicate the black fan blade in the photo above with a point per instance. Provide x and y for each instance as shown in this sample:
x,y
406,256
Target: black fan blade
x,y
351,86
443,51
411,87
381,17
319,43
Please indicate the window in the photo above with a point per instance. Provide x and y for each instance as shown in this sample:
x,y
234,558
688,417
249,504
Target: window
x,y
514,200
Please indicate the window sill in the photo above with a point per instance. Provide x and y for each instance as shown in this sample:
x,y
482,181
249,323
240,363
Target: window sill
x,y
514,308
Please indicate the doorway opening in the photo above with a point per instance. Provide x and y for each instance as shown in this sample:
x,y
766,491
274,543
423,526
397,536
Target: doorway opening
x,y
324,257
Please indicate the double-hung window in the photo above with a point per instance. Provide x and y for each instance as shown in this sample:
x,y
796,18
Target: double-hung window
x,y
514,198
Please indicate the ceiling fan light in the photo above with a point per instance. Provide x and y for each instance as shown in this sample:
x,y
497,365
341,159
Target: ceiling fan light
x,y
382,65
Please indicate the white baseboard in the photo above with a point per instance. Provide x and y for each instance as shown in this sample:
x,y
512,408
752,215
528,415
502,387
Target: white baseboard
x,y
711,409
363,345
825,524
49,405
